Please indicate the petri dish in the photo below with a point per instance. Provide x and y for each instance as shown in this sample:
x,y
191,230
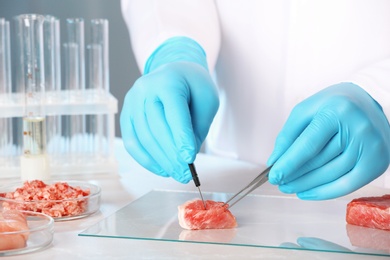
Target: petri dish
x,y
83,198
39,235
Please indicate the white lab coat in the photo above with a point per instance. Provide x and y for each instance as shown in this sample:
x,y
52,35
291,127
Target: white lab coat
x,y
268,55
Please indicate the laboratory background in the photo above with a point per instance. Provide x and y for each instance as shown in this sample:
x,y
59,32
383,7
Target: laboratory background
x,y
122,67
120,221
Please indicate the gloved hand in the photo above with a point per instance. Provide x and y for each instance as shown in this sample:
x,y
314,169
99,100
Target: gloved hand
x,y
332,144
167,113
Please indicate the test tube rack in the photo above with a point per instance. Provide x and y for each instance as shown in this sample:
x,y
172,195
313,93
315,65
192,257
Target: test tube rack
x,y
79,119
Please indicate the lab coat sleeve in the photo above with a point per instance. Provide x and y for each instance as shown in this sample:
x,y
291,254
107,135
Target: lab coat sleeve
x,y
375,79
151,22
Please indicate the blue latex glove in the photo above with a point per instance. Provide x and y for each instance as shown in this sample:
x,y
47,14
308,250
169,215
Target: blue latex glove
x,y
167,113
332,144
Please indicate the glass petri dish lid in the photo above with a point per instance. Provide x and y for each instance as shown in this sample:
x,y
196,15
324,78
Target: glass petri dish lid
x,y
62,200
38,235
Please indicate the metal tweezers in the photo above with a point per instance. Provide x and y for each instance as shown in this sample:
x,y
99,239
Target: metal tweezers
x,y
257,182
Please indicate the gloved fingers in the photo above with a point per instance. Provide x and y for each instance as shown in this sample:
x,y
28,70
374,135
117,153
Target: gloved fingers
x,y
362,173
366,167
134,147
307,145
334,148
160,130
154,150
328,173
204,103
178,118
299,118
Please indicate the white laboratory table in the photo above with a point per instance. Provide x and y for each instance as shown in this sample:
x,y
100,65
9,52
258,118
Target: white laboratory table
x,y
132,181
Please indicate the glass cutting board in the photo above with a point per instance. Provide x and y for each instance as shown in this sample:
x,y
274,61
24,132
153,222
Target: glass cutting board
x,y
263,221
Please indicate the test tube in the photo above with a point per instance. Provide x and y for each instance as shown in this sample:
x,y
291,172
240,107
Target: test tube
x,y
75,29
51,35
75,67
52,56
95,80
34,162
72,124
72,71
95,66
99,83
5,61
99,39
6,136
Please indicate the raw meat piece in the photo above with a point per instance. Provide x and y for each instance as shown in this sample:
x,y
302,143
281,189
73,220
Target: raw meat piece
x,y
372,212
56,200
10,242
192,215
11,221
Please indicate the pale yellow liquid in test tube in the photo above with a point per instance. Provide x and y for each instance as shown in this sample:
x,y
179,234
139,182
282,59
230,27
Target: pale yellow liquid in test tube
x,y
33,135
34,162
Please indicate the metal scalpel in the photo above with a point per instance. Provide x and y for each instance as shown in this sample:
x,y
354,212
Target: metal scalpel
x,y
257,182
196,181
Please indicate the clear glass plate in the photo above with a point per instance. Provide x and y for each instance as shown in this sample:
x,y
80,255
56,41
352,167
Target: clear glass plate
x,y
263,221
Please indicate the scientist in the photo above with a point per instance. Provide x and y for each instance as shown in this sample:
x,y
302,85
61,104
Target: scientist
x,y
303,85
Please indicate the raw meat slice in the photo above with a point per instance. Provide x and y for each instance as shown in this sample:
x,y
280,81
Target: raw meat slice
x,y
192,215
372,212
11,221
11,241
